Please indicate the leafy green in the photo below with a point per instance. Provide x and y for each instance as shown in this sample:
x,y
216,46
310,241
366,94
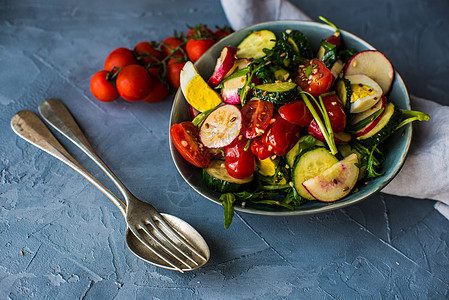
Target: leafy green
x,y
412,115
371,158
323,123
330,56
228,200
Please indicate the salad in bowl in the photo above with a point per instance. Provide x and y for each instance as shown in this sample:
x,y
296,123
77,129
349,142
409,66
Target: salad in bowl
x,y
290,118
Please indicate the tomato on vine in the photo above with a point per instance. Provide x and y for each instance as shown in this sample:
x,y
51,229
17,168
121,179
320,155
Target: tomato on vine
x,y
147,53
102,88
119,58
134,83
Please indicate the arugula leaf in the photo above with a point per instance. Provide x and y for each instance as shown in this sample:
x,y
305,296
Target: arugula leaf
x,y
227,201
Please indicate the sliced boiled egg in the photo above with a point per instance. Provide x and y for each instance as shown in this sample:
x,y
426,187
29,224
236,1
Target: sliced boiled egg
x,y
196,90
365,93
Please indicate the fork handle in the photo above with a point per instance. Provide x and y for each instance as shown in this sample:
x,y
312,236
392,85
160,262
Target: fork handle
x,y
30,127
58,116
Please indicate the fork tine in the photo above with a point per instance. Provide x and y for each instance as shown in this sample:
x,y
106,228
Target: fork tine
x,y
171,242
175,233
150,247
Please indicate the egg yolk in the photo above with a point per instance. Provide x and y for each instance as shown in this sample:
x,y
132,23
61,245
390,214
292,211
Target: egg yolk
x,y
361,91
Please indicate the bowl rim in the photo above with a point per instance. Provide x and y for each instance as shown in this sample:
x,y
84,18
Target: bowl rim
x,y
326,207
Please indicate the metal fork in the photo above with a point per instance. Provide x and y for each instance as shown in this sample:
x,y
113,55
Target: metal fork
x,y
171,245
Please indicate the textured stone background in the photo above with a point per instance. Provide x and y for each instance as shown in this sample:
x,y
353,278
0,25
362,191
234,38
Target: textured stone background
x,y
60,238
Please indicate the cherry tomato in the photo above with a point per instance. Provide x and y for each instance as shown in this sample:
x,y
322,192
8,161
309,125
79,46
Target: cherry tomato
x,y
335,111
199,31
256,117
222,32
281,135
185,138
296,112
158,92
239,163
102,88
147,53
134,83
314,77
259,149
174,67
196,48
119,58
170,44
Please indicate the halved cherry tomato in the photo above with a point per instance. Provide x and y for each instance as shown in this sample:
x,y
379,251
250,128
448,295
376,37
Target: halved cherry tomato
x,y
147,53
314,77
185,138
170,44
119,58
281,135
196,48
240,163
158,92
174,67
296,112
256,117
259,149
134,83
102,88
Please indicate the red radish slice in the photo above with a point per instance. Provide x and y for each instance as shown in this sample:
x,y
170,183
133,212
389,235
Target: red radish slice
x,y
239,64
224,64
231,88
221,127
370,126
336,182
193,112
373,64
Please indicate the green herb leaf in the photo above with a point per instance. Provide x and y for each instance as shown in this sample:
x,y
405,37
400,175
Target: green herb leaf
x,y
228,200
309,70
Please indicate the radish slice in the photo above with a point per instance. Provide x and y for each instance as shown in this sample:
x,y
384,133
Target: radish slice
x,y
336,182
365,93
221,127
371,125
224,64
373,64
238,65
231,88
363,115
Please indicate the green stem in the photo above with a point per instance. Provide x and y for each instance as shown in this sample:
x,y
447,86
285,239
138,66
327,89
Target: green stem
x,y
325,127
412,115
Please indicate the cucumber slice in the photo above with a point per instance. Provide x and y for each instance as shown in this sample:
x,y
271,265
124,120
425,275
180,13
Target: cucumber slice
x,y
309,165
221,126
387,124
252,46
336,182
217,178
277,93
304,144
344,92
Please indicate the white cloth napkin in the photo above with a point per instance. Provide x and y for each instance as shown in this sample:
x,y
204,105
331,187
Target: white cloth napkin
x,y
424,174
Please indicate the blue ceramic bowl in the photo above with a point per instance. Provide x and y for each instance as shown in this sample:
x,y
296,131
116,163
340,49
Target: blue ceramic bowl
x,y
396,147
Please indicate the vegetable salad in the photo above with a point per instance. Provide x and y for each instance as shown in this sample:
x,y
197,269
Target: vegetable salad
x,y
279,123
